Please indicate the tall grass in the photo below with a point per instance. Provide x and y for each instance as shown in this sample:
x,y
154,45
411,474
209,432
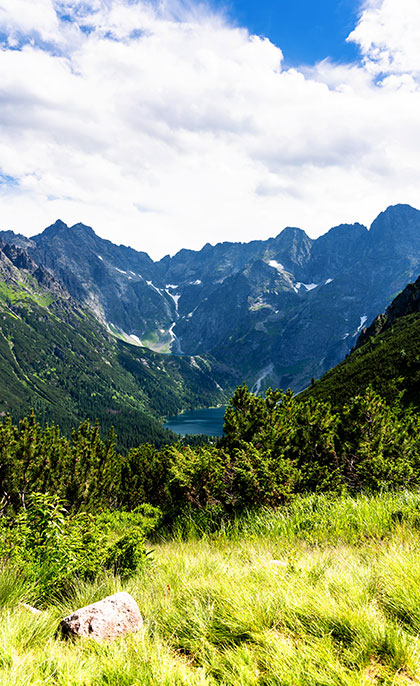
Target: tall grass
x,y
314,519
323,593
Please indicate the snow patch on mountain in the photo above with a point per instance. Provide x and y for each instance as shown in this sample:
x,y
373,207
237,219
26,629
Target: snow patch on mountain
x,y
175,342
263,374
276,265
155,288
308,286
128,337
363,320
175,298
136,339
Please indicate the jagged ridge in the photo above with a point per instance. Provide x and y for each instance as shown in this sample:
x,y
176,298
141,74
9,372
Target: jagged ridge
x,y
276,312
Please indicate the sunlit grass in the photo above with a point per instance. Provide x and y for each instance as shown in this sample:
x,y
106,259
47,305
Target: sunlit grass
x,y
264,601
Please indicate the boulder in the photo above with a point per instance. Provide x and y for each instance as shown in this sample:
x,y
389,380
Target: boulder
x,y
111,617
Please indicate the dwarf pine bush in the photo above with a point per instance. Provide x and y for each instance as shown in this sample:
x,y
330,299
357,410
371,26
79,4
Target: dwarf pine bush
x,y
52,548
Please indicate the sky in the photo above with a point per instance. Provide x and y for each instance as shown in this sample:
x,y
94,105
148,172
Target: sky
x,y
169,124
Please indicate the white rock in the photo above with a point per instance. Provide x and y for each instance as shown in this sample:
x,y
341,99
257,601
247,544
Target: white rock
x,y
113,616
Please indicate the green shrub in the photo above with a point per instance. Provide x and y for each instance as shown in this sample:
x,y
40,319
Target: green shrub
x,y
53,548
197,477
261,478
378,447
145,519
127,555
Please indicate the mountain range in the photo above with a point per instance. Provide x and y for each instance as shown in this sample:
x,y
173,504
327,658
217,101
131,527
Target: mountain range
x,y
274,312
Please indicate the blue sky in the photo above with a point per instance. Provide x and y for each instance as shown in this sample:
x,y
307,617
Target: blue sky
x,y
170,124
306,30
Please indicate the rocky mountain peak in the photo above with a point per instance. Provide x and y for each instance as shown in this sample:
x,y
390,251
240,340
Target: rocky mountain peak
x,y
55,228
396,221
16,239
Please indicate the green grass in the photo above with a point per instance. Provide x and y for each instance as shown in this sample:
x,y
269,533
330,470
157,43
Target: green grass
x,y
257,602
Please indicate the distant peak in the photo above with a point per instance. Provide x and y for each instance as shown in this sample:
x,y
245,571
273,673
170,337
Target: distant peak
x,y
399,210
292,233
82,226
53,229
59,228
342,230
292,229
349,227
58,224
396,218
400,207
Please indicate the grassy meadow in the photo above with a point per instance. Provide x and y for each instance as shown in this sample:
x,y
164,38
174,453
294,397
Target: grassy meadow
x,y
324,592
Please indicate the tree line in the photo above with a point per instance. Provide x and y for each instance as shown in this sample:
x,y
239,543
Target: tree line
x,y
273,447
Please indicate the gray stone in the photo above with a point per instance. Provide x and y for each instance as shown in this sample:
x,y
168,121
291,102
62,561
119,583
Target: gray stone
x,y
111,617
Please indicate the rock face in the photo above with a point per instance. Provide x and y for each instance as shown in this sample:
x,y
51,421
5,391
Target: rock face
x,y
111,617
276,312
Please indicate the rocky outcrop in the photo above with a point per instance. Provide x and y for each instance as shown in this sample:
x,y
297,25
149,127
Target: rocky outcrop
x,y
115,615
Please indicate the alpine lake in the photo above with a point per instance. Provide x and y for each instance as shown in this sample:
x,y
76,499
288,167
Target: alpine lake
x,y
208,421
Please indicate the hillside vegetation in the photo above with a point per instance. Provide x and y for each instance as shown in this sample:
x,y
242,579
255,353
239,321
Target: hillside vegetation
x,y
323,593
386,357
243,574
56,358
273,448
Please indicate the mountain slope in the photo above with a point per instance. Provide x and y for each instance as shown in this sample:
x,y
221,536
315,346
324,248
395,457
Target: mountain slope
x,y
386,357
57,358
276,312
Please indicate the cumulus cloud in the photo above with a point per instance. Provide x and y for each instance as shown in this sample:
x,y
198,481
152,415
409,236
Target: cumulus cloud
x,y
164,127
388,34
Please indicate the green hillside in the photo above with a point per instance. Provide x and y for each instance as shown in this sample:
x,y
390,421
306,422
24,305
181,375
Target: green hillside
x,y
388,361
56,358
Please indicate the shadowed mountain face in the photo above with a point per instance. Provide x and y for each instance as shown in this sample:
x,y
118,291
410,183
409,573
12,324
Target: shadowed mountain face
x,y
277,312
386,357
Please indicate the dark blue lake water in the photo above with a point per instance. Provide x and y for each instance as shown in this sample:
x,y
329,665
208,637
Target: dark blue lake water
x,y
208,421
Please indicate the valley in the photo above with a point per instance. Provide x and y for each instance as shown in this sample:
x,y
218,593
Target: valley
x,y
59,360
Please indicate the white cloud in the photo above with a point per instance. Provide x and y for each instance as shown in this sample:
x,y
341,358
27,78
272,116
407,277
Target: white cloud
x,y
20,17
388,34
164,127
